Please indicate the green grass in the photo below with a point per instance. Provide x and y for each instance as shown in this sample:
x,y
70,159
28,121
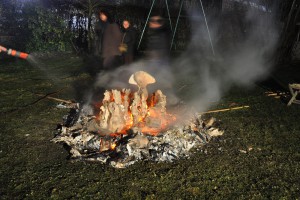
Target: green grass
x,y
32,167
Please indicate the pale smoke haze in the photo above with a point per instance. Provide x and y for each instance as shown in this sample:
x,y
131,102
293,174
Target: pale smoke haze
x,y
242,57
238,61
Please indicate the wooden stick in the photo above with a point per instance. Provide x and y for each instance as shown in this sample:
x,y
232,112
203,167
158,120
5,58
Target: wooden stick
x,y
56,99
272,94
223,110
34,102
275,94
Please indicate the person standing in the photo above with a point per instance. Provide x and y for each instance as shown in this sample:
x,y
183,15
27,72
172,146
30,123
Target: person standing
x,y
100,26
129,39
158,53
158,34
110,40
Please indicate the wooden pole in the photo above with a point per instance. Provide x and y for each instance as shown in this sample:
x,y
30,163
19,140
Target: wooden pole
x,y
223,110
55,99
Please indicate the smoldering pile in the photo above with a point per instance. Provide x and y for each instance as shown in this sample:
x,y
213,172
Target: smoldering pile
x,y
130,128
122,151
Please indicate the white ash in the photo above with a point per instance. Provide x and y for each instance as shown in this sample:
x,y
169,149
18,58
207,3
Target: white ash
x,y
81,133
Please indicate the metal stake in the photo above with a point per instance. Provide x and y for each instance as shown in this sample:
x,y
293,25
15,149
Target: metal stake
x,y
176,24
169,15
146,24
212,47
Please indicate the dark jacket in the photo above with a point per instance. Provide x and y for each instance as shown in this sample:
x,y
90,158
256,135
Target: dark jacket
x,y
99,30
110,40
130,39
158,39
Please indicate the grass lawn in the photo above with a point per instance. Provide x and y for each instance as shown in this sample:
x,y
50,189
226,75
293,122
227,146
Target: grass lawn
x,y
258,157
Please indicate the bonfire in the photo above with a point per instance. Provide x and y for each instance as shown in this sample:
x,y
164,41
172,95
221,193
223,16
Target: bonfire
x,y
132,126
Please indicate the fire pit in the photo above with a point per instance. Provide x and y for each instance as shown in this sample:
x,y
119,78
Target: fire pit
x,y
132,126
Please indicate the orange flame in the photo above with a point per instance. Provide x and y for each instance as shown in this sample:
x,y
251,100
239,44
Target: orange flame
x,y
163,120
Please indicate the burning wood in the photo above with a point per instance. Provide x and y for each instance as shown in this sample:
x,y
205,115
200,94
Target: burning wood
x,y
131,127
122,110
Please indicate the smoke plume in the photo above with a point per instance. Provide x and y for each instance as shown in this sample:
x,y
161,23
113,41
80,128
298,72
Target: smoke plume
x,y
242,56
243,51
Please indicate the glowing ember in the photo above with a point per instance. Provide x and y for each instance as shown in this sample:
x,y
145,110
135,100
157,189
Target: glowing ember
x,y
113,146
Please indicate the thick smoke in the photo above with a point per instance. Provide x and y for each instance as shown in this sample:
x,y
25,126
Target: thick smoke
x,y
242,55
199,77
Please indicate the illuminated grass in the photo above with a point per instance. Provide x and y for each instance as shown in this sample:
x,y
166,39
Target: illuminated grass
x,y
257,158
